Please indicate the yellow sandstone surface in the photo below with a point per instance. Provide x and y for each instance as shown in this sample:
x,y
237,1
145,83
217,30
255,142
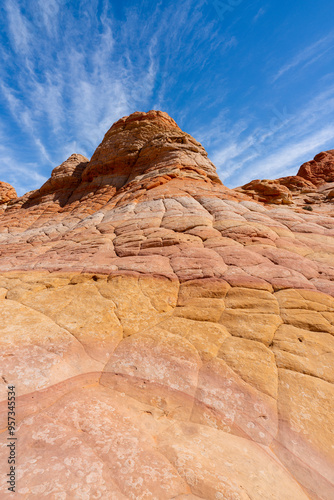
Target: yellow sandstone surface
x,y
131,398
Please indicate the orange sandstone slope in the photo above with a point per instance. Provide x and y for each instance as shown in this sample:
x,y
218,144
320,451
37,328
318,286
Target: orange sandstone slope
x,y
168,337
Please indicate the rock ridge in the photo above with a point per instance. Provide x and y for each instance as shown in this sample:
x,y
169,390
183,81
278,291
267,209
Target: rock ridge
x,y
313,185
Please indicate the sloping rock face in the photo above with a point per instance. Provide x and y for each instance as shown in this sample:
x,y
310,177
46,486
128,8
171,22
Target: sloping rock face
x,y
313,185
168,338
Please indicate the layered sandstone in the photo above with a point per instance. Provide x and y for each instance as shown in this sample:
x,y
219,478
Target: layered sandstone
x,y
7,193
168,337
313,185
268,191
320,169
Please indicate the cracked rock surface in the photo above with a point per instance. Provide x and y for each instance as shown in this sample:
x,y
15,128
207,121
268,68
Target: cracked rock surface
x,y
169,338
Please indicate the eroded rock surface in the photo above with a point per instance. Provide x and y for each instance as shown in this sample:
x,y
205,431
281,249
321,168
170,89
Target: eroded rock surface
x,y
320,169
268,191
7,193
313,185
168,338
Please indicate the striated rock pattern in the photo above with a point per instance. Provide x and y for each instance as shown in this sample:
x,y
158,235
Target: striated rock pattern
x,y
7,193
168,338
63,181
320,169
268,191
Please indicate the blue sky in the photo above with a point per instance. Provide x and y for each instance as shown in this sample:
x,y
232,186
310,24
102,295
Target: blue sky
x,y
252,80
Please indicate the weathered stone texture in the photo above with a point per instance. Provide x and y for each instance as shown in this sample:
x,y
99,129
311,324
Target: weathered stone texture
x,y
168,338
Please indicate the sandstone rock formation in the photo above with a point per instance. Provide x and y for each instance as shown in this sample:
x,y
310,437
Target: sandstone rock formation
x,y
168,337
320,169
313,184
64,179
268,191
7,193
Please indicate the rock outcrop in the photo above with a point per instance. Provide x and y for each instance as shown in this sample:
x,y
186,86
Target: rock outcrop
x,y
267,191
148,148
319,170
167,337
315,179
7,193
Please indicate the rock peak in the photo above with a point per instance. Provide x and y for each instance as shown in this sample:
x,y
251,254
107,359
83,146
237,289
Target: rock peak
x,y
320,169
160,117
65,178
145,154
149,146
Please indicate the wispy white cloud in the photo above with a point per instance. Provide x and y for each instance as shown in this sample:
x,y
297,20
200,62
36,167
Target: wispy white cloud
x,y
78,71
47,12
259,14
19,28
277,149
69,72
24,118
279,163
19,174
308,55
